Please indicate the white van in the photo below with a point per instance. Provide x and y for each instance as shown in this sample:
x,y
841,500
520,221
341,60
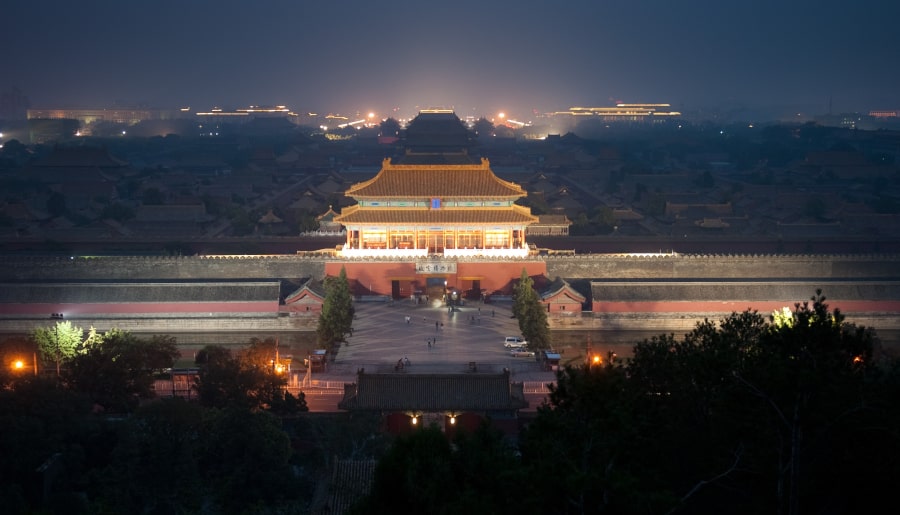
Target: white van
x,y
514,341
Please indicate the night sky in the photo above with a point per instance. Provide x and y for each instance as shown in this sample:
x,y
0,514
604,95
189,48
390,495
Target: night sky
x,y
478,57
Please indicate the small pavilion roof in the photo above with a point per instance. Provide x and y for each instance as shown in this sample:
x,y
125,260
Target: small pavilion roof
x,y
561,286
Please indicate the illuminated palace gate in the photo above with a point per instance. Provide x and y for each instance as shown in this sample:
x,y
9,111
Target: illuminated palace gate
x,y
401,279
447,210
437,222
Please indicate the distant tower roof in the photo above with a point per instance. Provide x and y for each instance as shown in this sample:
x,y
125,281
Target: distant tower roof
x,y
437,136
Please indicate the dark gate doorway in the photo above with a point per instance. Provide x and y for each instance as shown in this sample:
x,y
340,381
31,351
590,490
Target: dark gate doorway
x,y
475,292
435,288
395,290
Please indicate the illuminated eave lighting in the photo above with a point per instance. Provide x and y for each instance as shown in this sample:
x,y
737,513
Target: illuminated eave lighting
x,y
221,113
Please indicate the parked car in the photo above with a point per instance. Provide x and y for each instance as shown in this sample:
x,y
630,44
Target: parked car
x,y
514,341
521,353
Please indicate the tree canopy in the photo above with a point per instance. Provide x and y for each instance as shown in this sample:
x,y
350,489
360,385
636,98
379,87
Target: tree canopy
x,y
117,369
792,413
788,414
58,343
248,379
336,319
531,314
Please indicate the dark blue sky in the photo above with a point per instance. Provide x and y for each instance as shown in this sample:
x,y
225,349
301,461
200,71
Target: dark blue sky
x,y
475,56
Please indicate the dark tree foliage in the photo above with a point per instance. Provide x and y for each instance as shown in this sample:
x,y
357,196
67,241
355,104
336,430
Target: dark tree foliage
x,y
246,379
117,369
154,467
586,451
531,314
424,473
245,460
389,127
41,422
484,128
792,414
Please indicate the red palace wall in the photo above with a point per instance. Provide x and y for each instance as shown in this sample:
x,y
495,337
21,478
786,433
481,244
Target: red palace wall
x,y
375,278
764,307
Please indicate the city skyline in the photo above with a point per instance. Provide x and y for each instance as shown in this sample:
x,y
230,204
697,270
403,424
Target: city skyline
x,y
475,58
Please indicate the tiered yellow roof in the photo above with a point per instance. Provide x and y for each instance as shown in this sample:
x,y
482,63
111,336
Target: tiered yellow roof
x,y
421,181
445,216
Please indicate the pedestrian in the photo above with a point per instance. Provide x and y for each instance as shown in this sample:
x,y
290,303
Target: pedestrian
x,y
492,313
435,326
479,310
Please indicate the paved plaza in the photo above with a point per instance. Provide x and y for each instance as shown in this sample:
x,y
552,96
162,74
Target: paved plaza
x,y
434,339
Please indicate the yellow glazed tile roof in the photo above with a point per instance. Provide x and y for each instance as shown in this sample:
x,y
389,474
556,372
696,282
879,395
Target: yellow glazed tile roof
x,y
427,181
354,215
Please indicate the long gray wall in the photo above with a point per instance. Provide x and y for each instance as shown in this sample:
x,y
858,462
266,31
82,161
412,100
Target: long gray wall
x,y
31,268
588,266
695,266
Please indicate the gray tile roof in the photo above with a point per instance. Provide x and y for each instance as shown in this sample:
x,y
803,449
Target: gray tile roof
x,y
433,392
350,481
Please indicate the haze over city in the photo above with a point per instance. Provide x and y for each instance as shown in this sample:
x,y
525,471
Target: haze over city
x,y
522,57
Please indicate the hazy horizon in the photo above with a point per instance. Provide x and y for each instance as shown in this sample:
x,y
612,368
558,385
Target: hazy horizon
x,y
520,57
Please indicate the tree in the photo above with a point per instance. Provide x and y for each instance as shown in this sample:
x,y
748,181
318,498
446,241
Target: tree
x,y
336,319
484,129
245,460
58,343
582,452
154,466
424,473
389,127
246,379
810,379
745,415
531,314
117,369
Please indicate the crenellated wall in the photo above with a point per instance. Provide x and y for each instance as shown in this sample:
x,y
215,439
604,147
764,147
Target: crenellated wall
x,y
31,268
584,266
701,266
